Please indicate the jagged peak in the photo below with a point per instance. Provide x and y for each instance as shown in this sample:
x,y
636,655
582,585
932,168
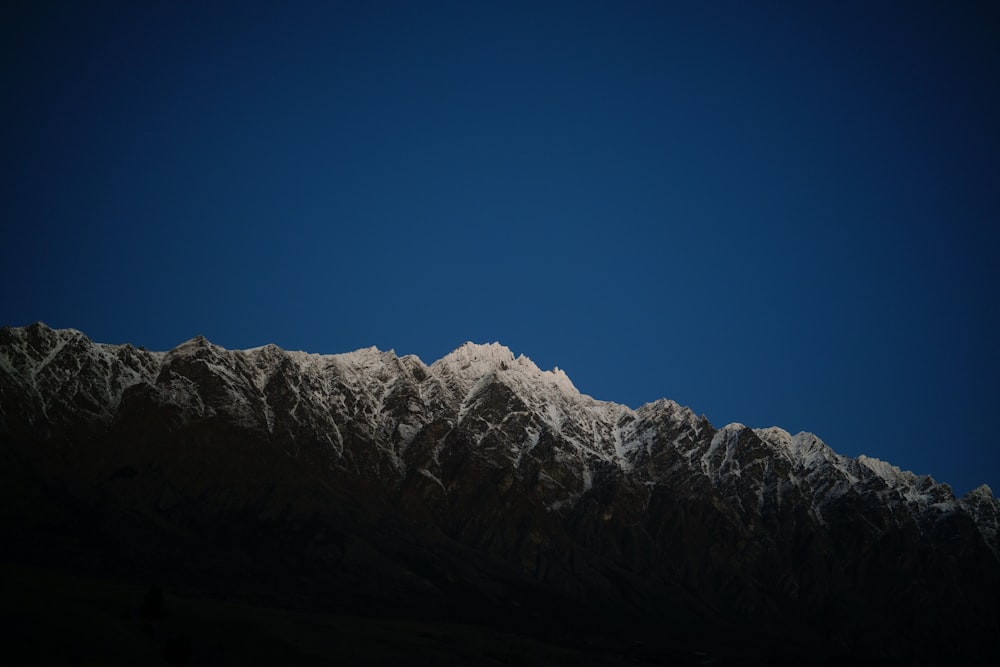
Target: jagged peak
x,y
774,435
664,404
365,356
469,351
194,346
471,363
878,466
982,491
559,378
270,347
412,358
39,342
802,440
269,352
474,360
887,471
370,350
41,328
810,445
675,411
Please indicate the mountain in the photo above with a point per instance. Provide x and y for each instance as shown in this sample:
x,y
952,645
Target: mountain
x,y
484,491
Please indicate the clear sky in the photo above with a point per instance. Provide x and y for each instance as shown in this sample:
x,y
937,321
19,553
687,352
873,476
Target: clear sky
x,y
775,213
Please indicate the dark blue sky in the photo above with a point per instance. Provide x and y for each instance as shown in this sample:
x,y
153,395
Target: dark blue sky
x,y
775,213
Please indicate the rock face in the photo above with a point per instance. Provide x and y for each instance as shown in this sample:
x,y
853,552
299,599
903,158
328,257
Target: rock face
x,y
483,488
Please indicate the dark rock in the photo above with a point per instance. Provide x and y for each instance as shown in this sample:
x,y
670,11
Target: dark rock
x,y
484,490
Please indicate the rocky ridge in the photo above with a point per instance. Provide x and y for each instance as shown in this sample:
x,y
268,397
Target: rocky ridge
x,y
651,512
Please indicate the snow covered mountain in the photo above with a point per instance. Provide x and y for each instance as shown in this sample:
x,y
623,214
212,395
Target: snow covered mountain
x,y
507,487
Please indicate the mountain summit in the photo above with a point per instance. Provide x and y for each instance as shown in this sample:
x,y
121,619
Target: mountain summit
x,y
484,488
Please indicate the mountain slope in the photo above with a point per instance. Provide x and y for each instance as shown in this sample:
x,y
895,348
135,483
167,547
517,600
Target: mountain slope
x,y
483,487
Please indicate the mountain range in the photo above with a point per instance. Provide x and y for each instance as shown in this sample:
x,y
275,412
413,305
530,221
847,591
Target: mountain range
x,y
478,492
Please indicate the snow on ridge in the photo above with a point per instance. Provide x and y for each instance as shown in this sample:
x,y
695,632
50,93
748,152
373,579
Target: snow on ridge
x,y
725,440
804,449
362,357
471,362
550,394
885,470
196,343
587,424
559,378
476,359
469,352
680,414
775,435
60,364
982,491
919,489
